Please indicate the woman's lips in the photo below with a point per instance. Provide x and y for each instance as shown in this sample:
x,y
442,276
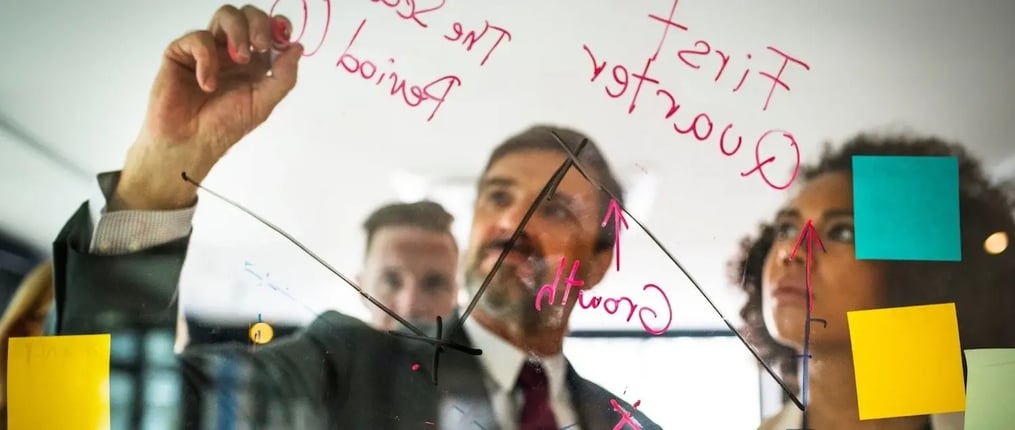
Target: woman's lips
x,y
789,292
787,296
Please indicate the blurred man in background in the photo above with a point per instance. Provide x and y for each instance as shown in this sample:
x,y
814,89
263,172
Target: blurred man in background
x,y
409,264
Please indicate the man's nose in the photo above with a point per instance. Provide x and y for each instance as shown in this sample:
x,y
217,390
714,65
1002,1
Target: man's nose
x,y
409,298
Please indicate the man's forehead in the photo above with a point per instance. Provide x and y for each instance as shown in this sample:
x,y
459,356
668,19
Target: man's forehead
x,y
533,169
412,239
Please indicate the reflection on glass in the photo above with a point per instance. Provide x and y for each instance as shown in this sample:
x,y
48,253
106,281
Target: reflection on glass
x,y
161,400
159,348
681,382
121,399
123,347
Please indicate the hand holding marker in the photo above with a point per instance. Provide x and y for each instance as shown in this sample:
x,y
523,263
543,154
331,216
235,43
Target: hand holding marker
x,y
280,33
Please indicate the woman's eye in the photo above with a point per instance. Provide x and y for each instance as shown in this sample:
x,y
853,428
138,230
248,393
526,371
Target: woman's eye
x,y
785,230
841,232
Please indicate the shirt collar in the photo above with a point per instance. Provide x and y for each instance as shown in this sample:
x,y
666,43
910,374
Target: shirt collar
x,y
503,361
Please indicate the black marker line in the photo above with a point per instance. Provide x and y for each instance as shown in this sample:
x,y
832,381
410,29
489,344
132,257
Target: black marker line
x,y
806,357
390,313
547,190
438,343
577,165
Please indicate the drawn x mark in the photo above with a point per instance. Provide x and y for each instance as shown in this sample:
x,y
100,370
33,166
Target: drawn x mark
x,y
625,416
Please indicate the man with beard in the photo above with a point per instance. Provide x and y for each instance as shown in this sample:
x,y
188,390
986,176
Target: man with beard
x,y
340,373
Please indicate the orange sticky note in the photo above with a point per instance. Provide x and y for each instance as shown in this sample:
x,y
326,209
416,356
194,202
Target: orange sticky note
x,y
907,361
58,382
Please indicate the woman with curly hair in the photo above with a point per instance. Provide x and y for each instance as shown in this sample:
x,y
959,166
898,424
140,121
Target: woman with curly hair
x,y
982,285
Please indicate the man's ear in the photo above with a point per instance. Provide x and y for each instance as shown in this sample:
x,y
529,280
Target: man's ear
x,y
600,264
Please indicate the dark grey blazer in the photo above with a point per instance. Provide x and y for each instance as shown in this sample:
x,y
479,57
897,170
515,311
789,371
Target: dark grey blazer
x,y
338,373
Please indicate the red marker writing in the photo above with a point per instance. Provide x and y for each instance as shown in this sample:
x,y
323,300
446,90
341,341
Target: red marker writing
x,y
616,212
280,34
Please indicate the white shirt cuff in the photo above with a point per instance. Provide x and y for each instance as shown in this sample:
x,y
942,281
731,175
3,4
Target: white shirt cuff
x,y
129,231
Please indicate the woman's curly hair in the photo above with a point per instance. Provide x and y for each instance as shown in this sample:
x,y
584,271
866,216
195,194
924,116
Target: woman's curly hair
x,y
982,285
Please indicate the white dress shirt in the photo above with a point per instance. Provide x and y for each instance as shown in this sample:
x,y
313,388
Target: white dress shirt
x,y
502,362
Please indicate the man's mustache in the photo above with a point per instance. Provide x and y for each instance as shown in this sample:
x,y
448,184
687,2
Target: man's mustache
x,y
523,246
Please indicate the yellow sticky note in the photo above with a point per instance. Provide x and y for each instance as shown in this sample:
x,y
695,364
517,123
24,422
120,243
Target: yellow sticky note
x,y
58,382
907,361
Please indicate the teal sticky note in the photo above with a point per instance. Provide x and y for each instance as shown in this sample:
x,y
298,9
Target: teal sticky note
x,y
989,389
906,208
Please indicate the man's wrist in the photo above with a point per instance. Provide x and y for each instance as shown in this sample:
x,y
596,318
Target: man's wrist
x,y
148,195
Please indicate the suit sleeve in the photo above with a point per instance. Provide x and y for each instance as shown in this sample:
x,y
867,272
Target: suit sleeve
x,y
284,385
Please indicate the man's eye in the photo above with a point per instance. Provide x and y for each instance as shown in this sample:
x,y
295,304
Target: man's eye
x,y
392,281
499,198
554,210
435,283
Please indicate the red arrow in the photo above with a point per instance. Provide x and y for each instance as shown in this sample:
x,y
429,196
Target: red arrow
x,y
811,234
615,211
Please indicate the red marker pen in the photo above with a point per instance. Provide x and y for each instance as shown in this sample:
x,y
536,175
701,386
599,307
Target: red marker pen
x,y
280,34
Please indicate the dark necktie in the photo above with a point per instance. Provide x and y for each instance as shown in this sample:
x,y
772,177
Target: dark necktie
x,y
536,412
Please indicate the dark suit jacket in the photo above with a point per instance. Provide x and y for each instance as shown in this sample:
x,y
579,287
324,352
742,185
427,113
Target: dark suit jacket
x,y
336,374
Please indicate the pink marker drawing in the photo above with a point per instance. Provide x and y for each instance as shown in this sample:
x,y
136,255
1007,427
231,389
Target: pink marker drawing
x,y
810,234
625,416
617,213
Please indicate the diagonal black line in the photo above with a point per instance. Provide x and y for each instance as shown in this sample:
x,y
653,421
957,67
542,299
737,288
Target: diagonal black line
x,y
438,349
593,181
547,190
438,343
391,313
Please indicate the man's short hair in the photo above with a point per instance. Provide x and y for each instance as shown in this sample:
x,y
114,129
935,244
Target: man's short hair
x,y
424,214
538,137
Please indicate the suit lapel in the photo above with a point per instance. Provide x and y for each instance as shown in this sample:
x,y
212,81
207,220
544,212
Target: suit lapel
x,y
464,399
595,410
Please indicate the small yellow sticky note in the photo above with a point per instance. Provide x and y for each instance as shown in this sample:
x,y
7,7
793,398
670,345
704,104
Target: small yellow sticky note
x,y
58,382
907,361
